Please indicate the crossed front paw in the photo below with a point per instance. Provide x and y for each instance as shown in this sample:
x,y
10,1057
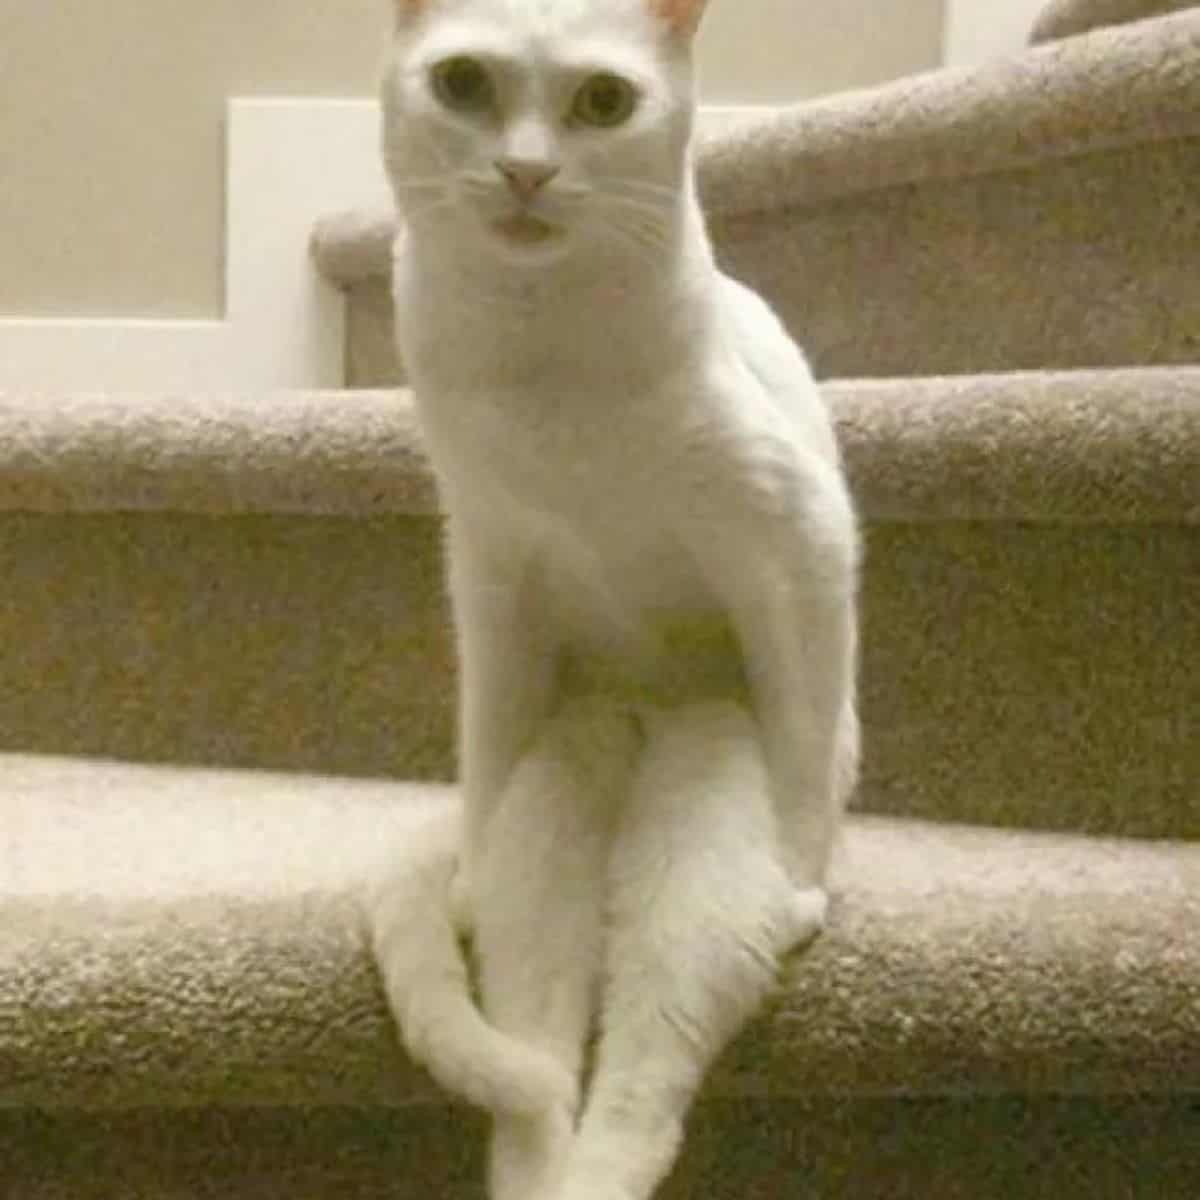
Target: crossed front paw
x,y
592,1189
807,913
462,901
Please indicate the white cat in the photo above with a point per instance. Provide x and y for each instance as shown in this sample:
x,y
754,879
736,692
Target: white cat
x,y
653,561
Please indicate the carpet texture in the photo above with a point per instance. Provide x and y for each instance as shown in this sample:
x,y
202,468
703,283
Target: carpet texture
x,y
1068,18
1039,1148
179,937
994,269
241,584
1077,447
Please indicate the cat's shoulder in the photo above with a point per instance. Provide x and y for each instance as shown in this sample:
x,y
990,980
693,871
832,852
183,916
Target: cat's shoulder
x,y
770,371
746,310
751,332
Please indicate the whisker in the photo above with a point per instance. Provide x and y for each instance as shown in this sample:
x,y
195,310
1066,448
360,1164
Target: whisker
x,y
642,185
646,221
400,175
642,235
651,242
657,211
646,251
412,215
417,182
665,235
438,152
573,191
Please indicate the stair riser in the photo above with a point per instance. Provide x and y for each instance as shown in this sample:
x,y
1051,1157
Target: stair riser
x,y
989,1149
1041,675
1085,262
1017,674
293,642
1080,262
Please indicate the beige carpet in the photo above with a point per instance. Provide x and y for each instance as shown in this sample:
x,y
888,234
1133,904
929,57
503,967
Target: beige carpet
x,y
178,937
1088,446
258,582
998,264
1115,1148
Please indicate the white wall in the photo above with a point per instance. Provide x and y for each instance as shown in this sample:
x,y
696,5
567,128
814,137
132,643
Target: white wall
x,y
111,120
768,51
112,138
147,240
977,30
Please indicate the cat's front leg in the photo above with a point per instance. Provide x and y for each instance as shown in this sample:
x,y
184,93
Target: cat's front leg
x,y
700,912
539,931
506,681
785,566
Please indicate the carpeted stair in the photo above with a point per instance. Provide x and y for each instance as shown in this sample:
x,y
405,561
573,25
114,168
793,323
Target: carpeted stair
x,y
228,694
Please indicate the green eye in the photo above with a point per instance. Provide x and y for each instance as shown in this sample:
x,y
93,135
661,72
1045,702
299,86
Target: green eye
x,y
605,101
463,84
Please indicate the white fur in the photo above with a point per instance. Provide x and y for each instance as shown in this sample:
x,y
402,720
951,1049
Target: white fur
x,y
635,461
428,989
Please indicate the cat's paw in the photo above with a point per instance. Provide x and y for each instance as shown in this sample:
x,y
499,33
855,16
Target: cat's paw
x,y
462,902
807,912
595,1188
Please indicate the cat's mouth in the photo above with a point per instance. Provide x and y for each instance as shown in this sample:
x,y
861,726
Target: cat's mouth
x,y
524,229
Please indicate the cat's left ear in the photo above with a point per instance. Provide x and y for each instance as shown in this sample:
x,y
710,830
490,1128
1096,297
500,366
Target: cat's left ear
x,y
681,16
408,10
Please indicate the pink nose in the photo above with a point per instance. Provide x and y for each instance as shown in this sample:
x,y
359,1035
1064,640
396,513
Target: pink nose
x,y
526,178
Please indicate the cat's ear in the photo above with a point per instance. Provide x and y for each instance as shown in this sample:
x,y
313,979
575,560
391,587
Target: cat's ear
x,y
409,10
681,16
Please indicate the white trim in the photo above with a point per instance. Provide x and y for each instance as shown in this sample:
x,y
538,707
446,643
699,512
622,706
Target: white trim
x,y
288,163
975,31
715,118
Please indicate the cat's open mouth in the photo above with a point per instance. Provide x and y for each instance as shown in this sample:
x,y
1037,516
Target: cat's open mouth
x,y
526,230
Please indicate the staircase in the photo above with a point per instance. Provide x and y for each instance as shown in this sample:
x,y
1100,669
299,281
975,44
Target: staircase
x,y
228,697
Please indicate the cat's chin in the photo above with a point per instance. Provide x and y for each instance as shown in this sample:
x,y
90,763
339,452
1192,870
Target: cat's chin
x,y
528,240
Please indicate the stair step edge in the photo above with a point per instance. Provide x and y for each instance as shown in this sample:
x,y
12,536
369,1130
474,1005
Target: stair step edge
x,y
958,960
1075,447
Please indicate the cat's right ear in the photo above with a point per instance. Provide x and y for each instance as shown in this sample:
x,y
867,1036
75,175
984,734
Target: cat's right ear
x,y
408,11
682,16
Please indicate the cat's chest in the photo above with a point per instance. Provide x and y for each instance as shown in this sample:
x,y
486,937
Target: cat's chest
x,y
574,456
586,484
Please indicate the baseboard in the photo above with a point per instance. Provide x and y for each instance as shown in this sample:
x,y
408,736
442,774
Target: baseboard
x,y
289,161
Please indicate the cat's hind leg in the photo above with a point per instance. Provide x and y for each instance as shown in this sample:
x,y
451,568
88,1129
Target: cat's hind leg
x,y
540,887
700,912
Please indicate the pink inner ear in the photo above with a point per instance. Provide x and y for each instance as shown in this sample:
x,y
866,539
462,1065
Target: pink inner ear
x,y
409,11
682,15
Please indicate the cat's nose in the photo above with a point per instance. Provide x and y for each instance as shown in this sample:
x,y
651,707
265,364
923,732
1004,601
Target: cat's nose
x,y
526,178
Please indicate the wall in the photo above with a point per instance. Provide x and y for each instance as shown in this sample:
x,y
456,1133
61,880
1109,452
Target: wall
x,y
111,134
977,30
111,138
766,51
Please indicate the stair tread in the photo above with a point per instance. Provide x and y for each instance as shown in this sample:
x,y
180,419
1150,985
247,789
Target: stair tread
x,y
1085,446
182,936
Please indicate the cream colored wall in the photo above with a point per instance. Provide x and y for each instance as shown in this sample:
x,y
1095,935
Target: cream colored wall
x,y
111,161
775,50
111,138
977,30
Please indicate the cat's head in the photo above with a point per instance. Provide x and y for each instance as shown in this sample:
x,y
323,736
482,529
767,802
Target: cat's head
x,y
537,127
